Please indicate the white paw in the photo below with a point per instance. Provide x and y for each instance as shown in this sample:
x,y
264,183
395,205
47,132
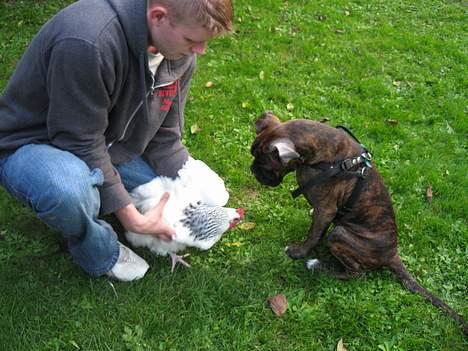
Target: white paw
x,y
312,264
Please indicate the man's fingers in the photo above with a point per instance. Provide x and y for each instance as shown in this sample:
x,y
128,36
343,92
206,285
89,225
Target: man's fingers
x,y
167,233
164,199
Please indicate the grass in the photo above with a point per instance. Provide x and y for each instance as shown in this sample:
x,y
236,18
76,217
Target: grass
x,y
394,72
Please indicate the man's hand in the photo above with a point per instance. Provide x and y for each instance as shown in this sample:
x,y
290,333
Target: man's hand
x,y
151,223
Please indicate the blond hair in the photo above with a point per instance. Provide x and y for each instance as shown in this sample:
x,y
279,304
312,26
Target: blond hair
x,y
215,15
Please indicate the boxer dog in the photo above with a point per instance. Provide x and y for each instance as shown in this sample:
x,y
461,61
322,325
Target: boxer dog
x,y
335,174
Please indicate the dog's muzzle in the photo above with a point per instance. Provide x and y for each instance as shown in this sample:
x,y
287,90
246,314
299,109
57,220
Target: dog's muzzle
x,y
264,176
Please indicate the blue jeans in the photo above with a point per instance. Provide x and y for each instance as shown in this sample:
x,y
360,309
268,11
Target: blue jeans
x,y
62,191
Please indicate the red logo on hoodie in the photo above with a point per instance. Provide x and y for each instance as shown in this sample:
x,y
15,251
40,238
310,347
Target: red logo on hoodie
x,y
167,94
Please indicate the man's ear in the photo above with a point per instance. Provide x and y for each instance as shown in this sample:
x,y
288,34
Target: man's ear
x,y
266,120
157,14
286,150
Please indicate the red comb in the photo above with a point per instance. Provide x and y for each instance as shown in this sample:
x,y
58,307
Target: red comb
x,y
241,212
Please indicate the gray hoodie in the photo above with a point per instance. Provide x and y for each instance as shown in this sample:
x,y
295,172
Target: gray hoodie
x,y
84,86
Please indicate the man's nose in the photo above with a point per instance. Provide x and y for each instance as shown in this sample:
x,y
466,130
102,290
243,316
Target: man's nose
x,y
199,48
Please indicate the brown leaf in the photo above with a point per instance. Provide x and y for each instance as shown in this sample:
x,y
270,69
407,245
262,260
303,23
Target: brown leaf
x,y
340,346
429,194
278,304
392,122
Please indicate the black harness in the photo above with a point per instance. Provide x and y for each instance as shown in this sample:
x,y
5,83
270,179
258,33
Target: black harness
x,y
356,166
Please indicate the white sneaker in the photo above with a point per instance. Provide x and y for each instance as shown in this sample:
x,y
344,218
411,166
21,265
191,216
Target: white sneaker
x,y
129,266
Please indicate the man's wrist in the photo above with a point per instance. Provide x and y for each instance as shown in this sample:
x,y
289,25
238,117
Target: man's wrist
x,y
130,218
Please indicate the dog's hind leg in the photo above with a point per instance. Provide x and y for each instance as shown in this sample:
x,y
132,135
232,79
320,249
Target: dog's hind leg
x,y
347,250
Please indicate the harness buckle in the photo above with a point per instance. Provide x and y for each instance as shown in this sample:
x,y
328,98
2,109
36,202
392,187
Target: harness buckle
x,y
364,172
347,164
367,157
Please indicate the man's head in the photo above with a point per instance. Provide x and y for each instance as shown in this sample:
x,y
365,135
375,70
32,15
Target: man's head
x,y
177,28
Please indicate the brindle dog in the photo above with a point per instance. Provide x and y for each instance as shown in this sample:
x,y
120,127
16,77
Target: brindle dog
x,y
336,176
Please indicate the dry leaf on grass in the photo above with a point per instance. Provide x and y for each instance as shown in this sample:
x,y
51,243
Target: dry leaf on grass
x,y
234,244
194,129
340,346
278,304
392,122
429,194
246,226
209,84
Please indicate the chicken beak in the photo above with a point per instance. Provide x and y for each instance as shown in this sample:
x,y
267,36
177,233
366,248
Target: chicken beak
x,y
236,221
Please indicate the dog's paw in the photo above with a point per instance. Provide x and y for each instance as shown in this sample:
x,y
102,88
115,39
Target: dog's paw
x,y
296,251
312,264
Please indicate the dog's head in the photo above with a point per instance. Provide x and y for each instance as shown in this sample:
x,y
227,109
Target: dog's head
x,y
274,152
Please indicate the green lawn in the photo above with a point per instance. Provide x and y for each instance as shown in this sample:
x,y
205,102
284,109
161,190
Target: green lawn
x,y
392,71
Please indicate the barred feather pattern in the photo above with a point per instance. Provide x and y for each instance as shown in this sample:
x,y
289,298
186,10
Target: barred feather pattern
x,y
205,222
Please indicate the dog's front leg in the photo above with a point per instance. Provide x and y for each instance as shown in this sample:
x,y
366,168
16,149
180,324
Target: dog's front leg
x,y
321,221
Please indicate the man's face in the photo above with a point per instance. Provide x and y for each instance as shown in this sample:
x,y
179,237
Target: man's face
x,y
175,41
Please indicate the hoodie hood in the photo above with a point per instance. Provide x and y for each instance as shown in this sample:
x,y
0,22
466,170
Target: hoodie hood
x,y
132,16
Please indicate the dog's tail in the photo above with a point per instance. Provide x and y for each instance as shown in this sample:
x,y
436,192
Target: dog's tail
x,y
397,267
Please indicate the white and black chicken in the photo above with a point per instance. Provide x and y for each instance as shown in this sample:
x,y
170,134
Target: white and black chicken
x,y
195,210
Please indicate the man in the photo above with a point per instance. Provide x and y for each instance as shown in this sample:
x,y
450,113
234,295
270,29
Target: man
x,y
96,108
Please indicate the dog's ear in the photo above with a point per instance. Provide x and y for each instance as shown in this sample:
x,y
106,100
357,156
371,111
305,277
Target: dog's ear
x,y
266,120
286,150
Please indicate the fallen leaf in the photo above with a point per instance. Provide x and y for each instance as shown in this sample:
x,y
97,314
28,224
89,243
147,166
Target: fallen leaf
x,y
234,244
429,194
339,31
392,122
245,104
194,129
247,225
449,128
324,120
290,107
209,84
278,304
340,346
261,75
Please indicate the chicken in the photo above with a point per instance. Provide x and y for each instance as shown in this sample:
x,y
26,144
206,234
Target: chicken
x,y
195,210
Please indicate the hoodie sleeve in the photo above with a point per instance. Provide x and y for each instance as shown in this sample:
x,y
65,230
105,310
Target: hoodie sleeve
x,y
79,86
166,153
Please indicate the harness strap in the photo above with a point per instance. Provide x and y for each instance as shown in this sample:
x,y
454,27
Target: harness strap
x,y
352,199
328,171
340,168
